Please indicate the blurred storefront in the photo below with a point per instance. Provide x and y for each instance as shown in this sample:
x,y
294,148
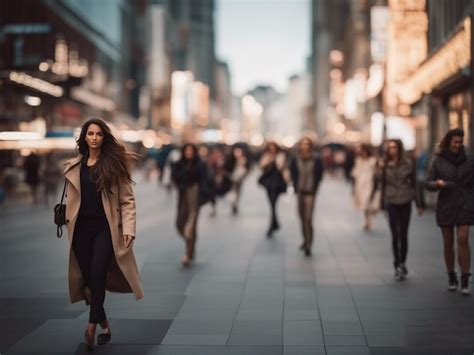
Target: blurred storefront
x,y
441,85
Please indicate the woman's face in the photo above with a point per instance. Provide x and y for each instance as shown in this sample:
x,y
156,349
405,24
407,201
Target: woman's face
x,y
363,153
189,153
305,146
455,144
272,148
392,150
238,153
94,136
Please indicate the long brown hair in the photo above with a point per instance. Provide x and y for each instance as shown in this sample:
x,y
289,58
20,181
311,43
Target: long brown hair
x,y
113,165
446,141
401,150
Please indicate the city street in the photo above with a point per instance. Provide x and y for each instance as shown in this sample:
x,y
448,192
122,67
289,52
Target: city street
x,y
245,294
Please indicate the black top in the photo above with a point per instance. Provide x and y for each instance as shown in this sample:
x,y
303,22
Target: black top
x,y
91,199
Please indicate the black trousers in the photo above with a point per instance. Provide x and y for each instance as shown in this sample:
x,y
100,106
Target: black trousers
x,y
92,246
273,198
399,219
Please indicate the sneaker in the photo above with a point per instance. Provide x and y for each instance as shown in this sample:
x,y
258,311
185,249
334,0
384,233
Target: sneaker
x,y
465,284
404,269
398,274
453,281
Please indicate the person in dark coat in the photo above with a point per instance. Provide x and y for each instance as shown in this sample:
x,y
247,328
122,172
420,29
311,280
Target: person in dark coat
x,y
273,164
306,172
190,177
452,173
399,190
32,166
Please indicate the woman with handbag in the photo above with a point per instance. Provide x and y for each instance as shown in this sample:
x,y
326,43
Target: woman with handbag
x,y
452,174
194,189
273,164
363,174
306,171
101,218
399,190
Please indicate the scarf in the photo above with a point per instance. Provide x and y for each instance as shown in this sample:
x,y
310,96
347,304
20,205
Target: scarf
x,y
454,158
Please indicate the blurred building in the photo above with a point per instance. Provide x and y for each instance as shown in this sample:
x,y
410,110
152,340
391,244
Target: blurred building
x,y
181,36
440,87
266,96
66,60
329,20
223,96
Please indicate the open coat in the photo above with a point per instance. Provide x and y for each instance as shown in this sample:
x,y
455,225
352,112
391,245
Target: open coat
x,y
455,206
119,207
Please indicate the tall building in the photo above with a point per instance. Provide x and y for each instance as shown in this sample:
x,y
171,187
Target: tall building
x,y
329,27
194,50
66,60
441,86
223,95
181,39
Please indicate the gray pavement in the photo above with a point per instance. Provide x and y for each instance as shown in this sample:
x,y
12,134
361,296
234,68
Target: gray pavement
x,y
246,294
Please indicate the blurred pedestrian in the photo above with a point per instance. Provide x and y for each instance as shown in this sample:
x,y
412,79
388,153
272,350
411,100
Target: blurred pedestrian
x,y
306,172
273,164
192,180
172,158
32,166
238,166
452,173
349,164
222,182
363,174
100,216
399,189
51,176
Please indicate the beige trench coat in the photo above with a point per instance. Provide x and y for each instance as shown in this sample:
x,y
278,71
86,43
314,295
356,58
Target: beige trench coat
x,y
123,275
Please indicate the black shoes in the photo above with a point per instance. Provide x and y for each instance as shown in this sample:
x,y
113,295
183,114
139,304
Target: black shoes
x,y
453,281
404,270
104,337
465,289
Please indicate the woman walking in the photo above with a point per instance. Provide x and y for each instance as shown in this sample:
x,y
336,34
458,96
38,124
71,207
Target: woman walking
x,y
452,173
238,166
100,217
363,174
191,179
306,172
399,189
273,163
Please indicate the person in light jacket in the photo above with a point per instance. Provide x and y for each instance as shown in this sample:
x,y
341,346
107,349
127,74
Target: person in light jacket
x,y
101,220
306,172
363,174
452,174
399,190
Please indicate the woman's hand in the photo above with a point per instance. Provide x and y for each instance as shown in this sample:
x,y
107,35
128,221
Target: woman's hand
x,y
127,240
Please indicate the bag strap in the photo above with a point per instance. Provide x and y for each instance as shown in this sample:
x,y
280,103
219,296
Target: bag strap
x,y
59,231
64,190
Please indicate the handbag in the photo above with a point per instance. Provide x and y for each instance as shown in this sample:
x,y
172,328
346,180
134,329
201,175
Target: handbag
x,y
60,213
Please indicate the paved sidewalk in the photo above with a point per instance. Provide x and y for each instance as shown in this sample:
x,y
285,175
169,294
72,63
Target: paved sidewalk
x,y
246,294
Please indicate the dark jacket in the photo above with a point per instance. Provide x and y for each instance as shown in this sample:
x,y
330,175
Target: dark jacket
x,y
317,172
400,185
185,174
455,204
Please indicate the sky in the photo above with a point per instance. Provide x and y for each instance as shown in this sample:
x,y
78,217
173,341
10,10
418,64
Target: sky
x,y
263,41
